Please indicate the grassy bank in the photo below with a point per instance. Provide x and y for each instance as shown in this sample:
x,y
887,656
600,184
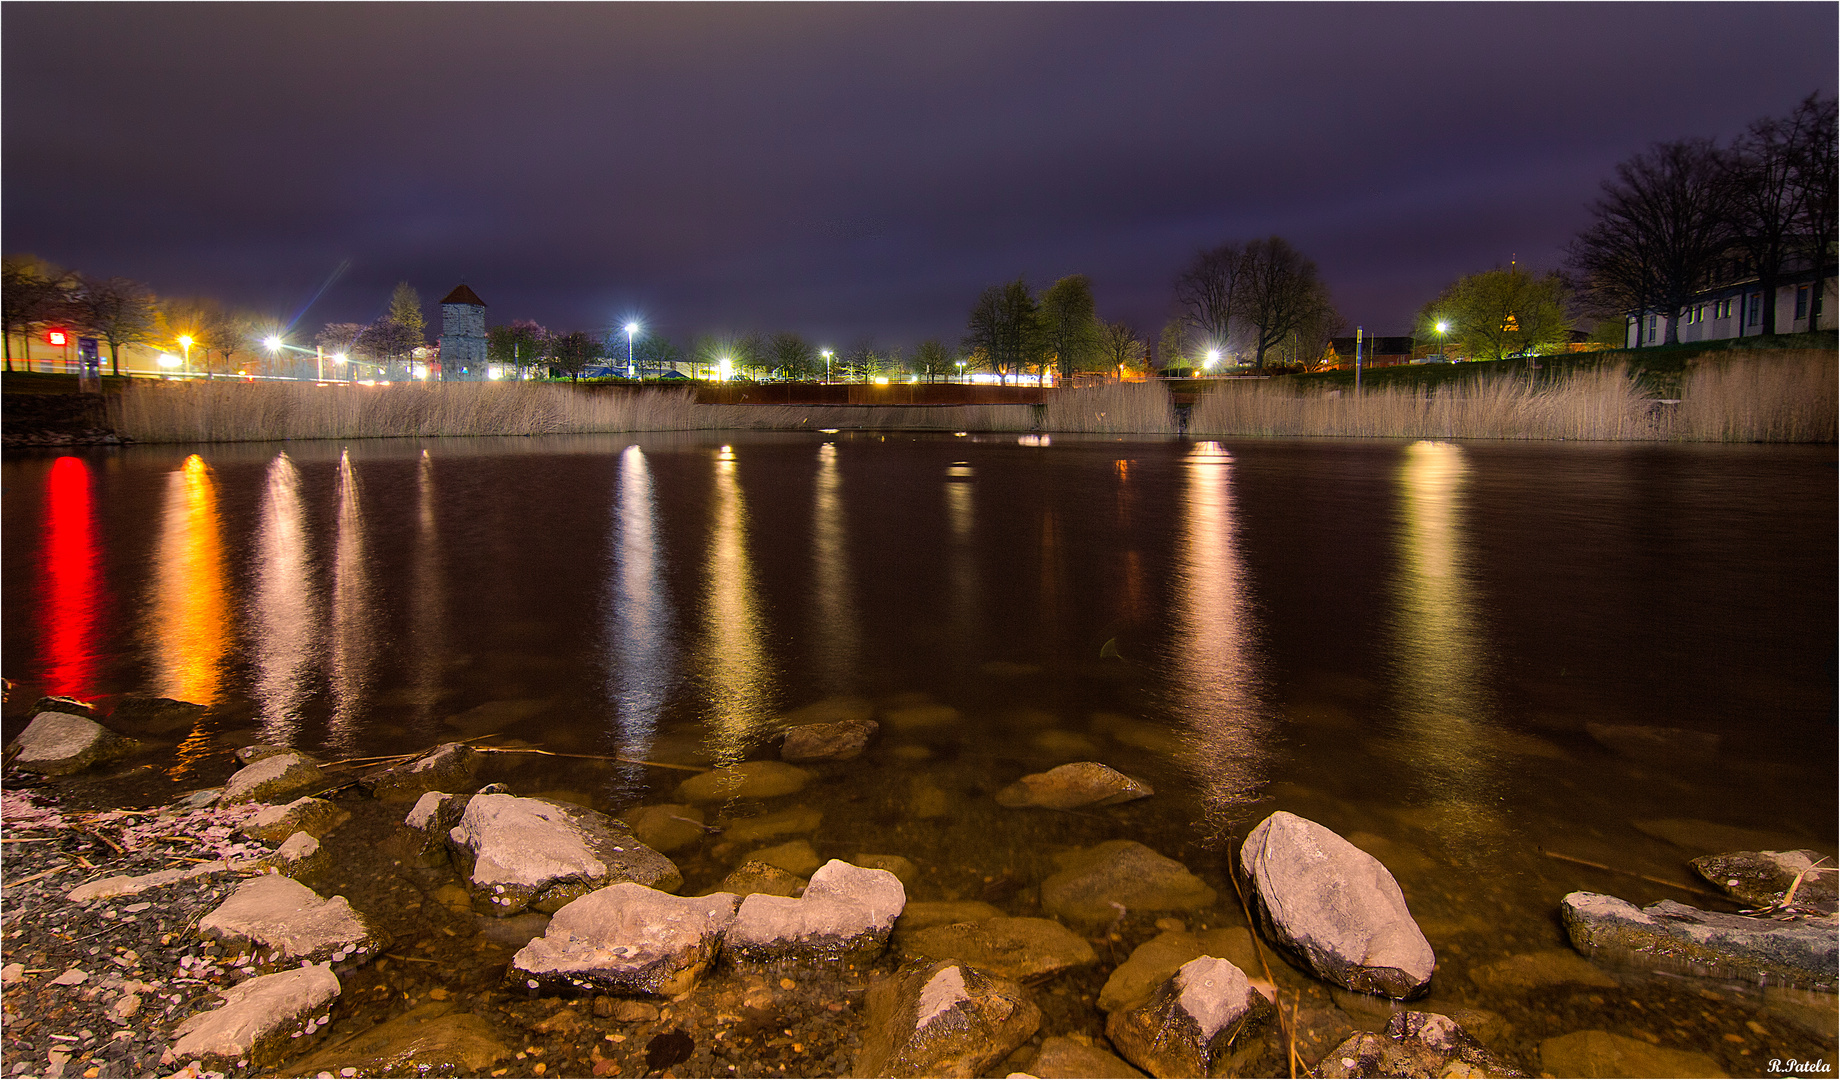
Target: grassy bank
x,y
1756,396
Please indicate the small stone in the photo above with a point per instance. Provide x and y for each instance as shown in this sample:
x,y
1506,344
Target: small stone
x,y
796,857
72,977
942,1019
1081,783
273,777
58,744
897,865
1094,883
841,741
757,877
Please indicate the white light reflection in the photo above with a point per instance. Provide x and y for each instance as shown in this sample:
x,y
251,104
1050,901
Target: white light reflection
x,y
428,602
1215,684
284,613
740,683
1442,702
960,496
837,631
352,613
641,662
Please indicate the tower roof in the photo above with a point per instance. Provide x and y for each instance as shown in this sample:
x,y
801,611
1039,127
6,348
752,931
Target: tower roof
x,y
463,295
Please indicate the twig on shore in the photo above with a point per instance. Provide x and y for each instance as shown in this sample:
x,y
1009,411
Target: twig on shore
x,y
410,959
594,757
380,758
1629,873
35,877
26,839
119,850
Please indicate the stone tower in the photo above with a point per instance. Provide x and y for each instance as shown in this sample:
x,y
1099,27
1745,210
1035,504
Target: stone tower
x,y
463,335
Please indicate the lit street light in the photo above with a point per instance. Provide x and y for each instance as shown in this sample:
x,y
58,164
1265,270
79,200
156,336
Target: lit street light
x,y
273,343
631,329
827,364
1442,328
185,342
723,369
1213,357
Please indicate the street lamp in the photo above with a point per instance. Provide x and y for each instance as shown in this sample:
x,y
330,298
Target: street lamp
x,y
631,329
273,343
723,368
185,342
961,370
1442,328
827,364
1213,357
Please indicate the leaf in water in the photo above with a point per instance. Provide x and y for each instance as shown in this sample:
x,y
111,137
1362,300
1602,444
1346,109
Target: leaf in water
x,y
667,1049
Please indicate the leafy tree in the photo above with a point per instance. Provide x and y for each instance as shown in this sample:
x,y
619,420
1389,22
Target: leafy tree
x,y
33,292
1500,313
118,310
1069,327
1212,290
932,360
573,352
1172,348
406,312
1005,326
517,345
389,341
1120,348
1658,232
1282,292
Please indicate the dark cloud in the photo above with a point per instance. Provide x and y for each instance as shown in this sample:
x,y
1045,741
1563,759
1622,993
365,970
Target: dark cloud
x,y
840,169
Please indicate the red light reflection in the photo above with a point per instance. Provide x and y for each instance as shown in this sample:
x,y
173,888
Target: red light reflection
x,y
69,581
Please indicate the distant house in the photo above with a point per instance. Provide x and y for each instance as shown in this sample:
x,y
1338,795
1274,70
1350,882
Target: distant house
x,y
1734,308
463,335
1375,352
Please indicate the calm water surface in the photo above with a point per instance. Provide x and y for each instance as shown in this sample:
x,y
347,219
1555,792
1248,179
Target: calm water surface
x,y
1428,647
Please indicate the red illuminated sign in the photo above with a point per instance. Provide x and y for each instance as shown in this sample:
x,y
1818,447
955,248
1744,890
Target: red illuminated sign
x,y
57,337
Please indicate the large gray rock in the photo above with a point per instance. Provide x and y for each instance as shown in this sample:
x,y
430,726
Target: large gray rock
x,y
1081,783
518,853
272,778
1094,883
626,939
1204,1015
300,855
942,1019
1018,949
1333,907
1763,879
315,817
263,1021
846,912
63,704
58,744
285,923
1415,1044
841,741
1668,936
448,767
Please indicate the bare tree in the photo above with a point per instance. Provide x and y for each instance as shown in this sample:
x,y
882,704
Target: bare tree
x,y
1210,291
1281,292
573,352
1120,346
1003,326
32,293
1816,187
1758,176
933,359
792,355
118,310
1659,229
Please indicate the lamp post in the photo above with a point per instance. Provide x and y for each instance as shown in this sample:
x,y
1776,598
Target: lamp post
x,y
1442,328
273,343
961,370
827,365
723,368
185,342
1213,357
631,329
341,359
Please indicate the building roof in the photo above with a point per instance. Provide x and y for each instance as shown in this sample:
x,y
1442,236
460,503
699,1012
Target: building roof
x,y
463,295
1373,346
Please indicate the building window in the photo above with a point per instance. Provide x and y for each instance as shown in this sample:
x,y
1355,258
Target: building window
x,y
1651,327
1801,302
1756,312
1722,309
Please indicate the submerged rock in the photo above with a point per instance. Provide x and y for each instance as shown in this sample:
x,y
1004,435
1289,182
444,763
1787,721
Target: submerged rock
x,y
1531,971
787,822
1153,962
1062,1057
1019,949
1763,878
748,780
795,857
271,778
285,923
846,911
448,767
263,1021
1094,884
920,914
58,744
429,1040
1082,783
757,877
921,717
898,865
521,853
1654,744
315,817
1415,1044
61,704
1202,1015
156,715
943,1019
1334,907
667,826
626,939
1668,936
1599,1053
841,741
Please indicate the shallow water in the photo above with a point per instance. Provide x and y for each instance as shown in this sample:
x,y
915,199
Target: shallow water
x,y
1426,647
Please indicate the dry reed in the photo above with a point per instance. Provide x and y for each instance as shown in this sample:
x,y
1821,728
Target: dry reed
x,y
1113,409
1781,397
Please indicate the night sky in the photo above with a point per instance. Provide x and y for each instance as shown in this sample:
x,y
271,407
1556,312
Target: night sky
x,y
842,170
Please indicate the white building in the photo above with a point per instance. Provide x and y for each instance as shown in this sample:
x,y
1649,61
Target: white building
x,y
1736,310
463,335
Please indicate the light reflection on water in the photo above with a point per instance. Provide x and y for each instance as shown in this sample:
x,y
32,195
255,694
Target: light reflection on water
x,y
641,664
427,603
354,630
1215,677
284,612
188,612
69,580
738,672
834,612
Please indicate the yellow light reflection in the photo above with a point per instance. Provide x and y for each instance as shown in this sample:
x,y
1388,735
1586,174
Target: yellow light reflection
x,y
837,631
352,613
190,607
1216,666
427,602
642,667
1442,701
284,617
739,676
960,495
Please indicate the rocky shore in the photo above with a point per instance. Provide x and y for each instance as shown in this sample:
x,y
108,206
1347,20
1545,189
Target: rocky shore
x,y
411,916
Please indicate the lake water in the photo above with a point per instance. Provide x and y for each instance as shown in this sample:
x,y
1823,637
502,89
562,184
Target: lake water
x,y
1456,654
